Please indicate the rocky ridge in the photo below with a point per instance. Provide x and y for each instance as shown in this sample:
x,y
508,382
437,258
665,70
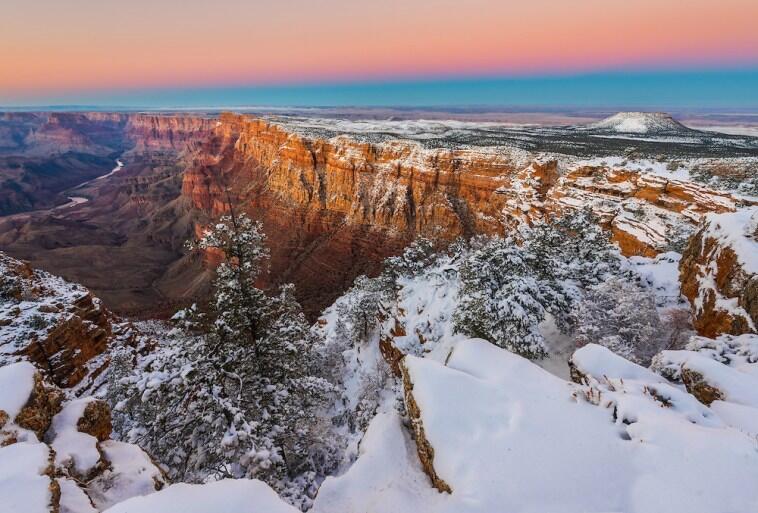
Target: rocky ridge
x,y
719,273
57,325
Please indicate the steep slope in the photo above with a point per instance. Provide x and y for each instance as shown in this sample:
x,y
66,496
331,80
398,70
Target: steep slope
x,y
123,241
45,154
57,325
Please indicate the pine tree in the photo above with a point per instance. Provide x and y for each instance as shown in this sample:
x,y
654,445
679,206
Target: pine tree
x,y
621,315
239,306
246,396
501,300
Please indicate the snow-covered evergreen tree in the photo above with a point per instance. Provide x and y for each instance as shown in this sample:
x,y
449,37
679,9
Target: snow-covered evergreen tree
x,y
239,306
500,298
621,315
508,287
245,397
364,305
570,254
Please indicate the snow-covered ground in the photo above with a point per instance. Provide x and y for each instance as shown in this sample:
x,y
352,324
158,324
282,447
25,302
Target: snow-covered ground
x,y
228,496
508,436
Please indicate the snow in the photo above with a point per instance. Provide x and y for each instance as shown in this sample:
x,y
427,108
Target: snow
x,y
736,386
738,351
71,446
73,498
131,474
661,275
749,130
600,362
639,123
506,432
24,487
16,384
744,418
227,496
737,230
386,478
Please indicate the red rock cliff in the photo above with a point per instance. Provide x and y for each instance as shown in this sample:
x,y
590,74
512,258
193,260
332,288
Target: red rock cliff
x,y
335,207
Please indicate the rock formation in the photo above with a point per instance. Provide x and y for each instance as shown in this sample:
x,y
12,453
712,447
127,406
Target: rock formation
x,y
55,324
333,206
719,274
423,445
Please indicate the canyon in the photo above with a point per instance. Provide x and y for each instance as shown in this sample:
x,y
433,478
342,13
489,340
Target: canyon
x,y
84,373
335,198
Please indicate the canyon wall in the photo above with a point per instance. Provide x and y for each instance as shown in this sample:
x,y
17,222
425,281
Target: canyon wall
x,y
719,274
333,208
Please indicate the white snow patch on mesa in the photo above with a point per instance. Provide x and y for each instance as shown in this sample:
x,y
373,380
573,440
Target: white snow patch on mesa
x,y
639,123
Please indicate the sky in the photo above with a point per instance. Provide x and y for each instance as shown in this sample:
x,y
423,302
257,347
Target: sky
x,y
302,52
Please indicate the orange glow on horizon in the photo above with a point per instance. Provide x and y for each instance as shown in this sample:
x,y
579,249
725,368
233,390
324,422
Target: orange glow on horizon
x,y
49,45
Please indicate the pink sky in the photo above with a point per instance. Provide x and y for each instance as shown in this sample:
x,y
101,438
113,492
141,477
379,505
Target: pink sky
x,y
55,45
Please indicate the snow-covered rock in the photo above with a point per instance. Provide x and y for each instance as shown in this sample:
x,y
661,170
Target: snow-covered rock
x,y
386,478
27,404
130,473
25,483
53,323
597,362
73,499
74,449
719,273
92,471
17,384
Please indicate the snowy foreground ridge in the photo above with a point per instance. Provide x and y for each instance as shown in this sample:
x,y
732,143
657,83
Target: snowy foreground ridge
x,y
507,436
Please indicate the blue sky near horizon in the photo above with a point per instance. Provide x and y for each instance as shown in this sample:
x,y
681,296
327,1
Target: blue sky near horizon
x,y
696,89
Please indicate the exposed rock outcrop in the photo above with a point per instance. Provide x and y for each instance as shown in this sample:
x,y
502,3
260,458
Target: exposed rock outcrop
x,y
642,211
329,204
149,133
55,324
719,274
43,403
423,446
